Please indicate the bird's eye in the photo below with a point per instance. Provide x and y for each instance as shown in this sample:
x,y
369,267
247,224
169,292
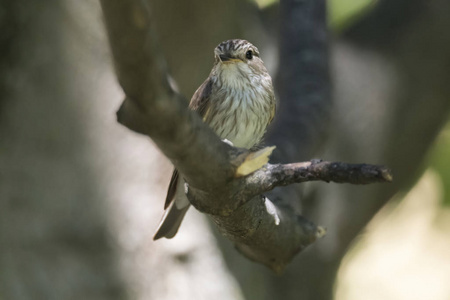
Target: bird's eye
x,y
249,54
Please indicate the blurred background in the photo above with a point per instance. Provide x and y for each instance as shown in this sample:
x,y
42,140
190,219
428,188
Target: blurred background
x,y
81,195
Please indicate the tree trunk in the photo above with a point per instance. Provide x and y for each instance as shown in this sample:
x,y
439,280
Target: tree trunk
x,y
54,241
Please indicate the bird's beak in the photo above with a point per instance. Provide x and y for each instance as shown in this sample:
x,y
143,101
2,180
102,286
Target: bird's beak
x,y
227,59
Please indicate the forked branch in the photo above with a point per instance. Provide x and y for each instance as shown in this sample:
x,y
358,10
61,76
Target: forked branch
x,y
218,182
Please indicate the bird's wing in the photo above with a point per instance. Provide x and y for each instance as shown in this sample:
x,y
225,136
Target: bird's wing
x,y
273,108
200,99
200,104
172,189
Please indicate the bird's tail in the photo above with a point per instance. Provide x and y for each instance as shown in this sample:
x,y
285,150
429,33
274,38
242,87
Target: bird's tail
x,y
178,205
170,222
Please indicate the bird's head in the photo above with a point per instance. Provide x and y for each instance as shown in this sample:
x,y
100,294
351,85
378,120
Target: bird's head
x,y
235,51
238,60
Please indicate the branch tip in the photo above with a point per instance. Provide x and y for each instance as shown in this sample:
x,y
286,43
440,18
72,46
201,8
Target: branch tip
x,y
386,174
321,232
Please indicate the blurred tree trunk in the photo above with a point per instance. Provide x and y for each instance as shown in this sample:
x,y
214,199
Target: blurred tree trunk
x,y
53,233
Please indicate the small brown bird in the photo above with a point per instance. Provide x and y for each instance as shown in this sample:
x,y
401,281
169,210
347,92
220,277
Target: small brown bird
x,y
237,101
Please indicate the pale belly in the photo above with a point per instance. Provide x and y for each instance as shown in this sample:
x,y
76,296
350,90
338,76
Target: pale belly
x,y
240,111
247,135
242,125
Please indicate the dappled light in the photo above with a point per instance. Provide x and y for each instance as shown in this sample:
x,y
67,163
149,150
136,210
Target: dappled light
x,y
403,254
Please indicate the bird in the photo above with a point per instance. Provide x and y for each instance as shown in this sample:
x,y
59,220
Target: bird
x,y
237,102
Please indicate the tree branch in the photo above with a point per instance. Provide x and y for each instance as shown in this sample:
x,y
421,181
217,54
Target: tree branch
x,y
152,107
263,231
271,176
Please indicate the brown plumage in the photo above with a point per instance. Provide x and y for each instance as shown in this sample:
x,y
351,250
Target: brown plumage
x,y
237,102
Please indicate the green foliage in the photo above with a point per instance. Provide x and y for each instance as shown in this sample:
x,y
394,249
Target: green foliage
x,y
440,161
341,13
265,3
